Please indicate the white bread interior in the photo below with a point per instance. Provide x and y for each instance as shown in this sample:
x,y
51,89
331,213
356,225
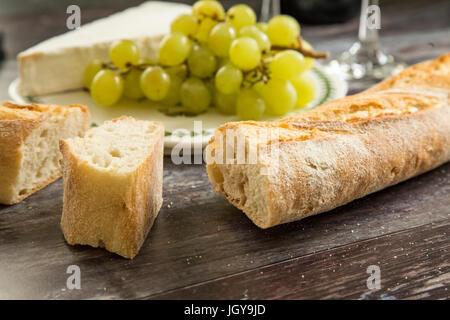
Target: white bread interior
x,y
113,184
29,145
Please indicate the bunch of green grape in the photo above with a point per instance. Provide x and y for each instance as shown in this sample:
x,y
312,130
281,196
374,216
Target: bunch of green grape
x,y
213,58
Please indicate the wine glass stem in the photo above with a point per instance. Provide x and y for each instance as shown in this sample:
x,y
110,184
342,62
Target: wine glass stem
x,y
276,10
368,32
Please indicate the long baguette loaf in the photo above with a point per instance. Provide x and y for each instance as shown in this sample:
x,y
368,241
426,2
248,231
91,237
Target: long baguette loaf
x,y
343,150
113,184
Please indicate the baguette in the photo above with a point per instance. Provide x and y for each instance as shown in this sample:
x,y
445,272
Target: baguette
x,y
29,154
113,185
315,161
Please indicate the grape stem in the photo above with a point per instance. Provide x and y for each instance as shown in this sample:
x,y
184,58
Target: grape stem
x,y
258,74
262,74
306,52
129,66
213,17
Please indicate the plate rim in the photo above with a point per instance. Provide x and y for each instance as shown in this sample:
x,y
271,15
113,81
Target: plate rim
x,y
336,87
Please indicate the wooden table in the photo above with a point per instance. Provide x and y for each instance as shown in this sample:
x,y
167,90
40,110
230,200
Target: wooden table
x,y
202,247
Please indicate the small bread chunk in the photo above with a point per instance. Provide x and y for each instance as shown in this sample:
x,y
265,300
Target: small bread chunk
x,y
113,184
29,152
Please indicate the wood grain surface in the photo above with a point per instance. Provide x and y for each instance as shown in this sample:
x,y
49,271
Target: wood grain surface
x,y
201,247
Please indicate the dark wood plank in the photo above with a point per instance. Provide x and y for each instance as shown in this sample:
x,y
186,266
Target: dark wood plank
x,y
413,264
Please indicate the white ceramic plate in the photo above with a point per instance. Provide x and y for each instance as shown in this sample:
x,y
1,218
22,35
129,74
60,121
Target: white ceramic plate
x,y
179,129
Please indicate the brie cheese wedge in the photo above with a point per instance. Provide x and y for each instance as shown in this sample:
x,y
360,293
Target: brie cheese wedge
x,y
57,64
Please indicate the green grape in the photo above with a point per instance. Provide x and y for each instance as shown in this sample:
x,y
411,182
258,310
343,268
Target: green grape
x,y
287,64
123,52
262,26
228,79
208,9
107,87
210,84
280,96
306,90
226,103
260,37
174,49
258,87
186,24
249,105
179,71
132,84
309,62
195,95
89,73
202,62
173,95
155,83
153,60
245,53
283,30
204,29
220,38
241,15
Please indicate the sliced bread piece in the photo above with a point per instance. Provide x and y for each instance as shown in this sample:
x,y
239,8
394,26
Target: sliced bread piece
x,y
113,184
29,145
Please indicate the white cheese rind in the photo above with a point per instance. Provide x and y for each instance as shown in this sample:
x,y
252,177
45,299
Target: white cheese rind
x,y
57,64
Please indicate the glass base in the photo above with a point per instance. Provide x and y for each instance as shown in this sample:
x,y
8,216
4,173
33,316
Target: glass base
x,y
366,61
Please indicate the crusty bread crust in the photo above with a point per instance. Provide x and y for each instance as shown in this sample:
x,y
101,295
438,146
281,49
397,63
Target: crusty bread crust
x,y
16,123
102,209
340,151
